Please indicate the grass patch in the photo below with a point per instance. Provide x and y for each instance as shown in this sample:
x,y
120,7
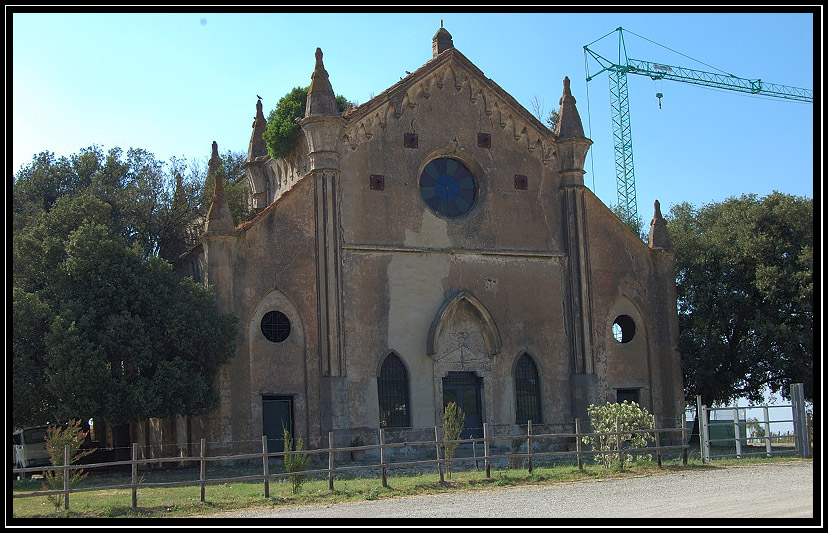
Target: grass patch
x,y
162,502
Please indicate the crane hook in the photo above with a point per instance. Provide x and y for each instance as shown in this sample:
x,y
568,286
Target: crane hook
x,y
659,95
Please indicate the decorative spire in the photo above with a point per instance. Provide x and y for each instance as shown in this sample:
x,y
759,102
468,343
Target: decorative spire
x,y
219,219
572,145
441,41
257,146
569,121
321,98
215,161
659,236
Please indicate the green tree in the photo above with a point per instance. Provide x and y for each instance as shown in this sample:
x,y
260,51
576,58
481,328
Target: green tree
x,y
150,202
236,190
744,280
756,430
31,317
283,122
102,331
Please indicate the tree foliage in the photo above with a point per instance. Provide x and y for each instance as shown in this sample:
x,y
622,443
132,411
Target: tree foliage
x,y
236,190
635,223
283,121
744,280
102,326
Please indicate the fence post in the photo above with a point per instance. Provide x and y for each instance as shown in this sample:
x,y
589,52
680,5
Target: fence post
x,y
529,443
658,445
704,437
768,447
736,432
487,460
800,420
134,467
684,440
201,472
66,454
618,442
578,443
437,444
330,461
382,456
265,466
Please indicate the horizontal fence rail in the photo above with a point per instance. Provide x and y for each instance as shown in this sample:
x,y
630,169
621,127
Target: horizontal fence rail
x,y
327,455
733,440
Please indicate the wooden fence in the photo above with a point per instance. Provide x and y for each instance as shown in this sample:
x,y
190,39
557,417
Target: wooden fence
x,y
440,461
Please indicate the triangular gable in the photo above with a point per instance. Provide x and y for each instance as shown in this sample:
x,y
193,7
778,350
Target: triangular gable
x,y
449,70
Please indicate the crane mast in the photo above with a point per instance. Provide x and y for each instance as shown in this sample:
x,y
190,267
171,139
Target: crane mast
x,y
620,107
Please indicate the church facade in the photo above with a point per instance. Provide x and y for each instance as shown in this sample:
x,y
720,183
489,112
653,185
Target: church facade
x,y
434,244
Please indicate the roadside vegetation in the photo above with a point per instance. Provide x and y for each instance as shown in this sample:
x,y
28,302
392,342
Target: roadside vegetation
x,y
173,502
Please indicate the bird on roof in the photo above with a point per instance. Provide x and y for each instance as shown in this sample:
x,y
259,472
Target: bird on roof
x,y
259,97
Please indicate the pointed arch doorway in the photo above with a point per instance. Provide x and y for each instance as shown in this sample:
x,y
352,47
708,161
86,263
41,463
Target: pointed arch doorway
x,y
465,389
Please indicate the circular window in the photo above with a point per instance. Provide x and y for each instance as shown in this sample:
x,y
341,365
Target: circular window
x,y
448,187
623,328
275,326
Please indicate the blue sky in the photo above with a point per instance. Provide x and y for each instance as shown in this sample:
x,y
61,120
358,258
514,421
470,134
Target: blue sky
x,y
174,83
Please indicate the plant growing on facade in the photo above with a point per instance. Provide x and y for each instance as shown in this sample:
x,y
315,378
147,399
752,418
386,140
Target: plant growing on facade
x,y
625,418
453,420
283,122
295,462
57,438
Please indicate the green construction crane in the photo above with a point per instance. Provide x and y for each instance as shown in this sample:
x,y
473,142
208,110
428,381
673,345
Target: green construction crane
x,y
620,107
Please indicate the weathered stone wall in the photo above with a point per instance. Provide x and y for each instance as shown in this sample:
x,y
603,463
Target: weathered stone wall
x,y
627,278
347,249
271,269
401,261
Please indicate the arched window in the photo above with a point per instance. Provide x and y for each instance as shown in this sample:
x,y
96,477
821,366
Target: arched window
x,y
392,389
527,390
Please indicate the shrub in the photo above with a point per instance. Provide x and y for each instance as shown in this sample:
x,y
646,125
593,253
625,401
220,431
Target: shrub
x,y
453,420
57,438
630,417
295,462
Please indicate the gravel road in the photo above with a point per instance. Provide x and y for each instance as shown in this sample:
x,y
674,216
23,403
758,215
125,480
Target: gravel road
x,y
758,491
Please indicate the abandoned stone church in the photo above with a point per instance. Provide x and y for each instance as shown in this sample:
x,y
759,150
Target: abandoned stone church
x,y
436,243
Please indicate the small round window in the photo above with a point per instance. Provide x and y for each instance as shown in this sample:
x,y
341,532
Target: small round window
x,y
448,187
623,328
275,326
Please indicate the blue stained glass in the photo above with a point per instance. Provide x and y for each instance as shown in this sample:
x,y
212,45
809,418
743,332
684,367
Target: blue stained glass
x,y
447,187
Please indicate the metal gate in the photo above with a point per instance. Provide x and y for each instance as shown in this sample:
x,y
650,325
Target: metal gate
x,y
728,438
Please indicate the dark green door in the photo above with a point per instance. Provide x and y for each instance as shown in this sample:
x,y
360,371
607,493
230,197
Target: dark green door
x,y
463,388
276,416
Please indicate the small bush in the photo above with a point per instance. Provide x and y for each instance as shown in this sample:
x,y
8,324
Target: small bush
x,y
630,417
453,421
295,462
57,438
